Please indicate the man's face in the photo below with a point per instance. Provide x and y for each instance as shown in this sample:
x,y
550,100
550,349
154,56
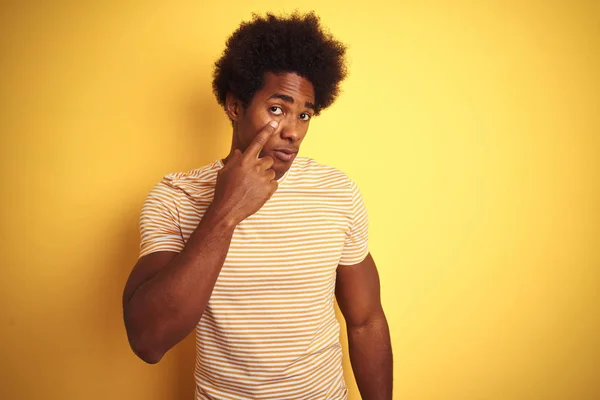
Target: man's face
x,y
286,98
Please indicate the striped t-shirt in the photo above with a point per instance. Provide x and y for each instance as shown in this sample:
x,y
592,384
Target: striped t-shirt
x,y
269,330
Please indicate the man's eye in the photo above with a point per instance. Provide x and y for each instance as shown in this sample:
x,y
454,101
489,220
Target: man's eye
x,y
304,116
276,110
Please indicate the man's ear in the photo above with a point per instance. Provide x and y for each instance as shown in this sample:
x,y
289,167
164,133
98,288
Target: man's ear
x,y
233,106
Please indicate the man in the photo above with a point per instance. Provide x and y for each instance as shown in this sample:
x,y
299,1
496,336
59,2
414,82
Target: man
x,y
250,250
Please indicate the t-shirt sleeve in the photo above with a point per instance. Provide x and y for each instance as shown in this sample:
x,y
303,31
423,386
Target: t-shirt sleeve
x,y
356,245
159,226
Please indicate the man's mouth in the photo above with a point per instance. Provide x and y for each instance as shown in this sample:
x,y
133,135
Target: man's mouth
x,y
285,154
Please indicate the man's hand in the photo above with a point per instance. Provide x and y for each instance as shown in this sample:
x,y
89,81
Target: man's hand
x,y
246,183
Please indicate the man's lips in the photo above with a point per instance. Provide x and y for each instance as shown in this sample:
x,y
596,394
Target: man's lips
x,y
285,154
287,150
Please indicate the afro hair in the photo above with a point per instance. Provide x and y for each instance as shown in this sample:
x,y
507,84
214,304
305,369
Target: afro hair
x,y
274,44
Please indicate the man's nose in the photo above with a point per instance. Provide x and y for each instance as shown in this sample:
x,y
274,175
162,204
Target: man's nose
x,y
291,130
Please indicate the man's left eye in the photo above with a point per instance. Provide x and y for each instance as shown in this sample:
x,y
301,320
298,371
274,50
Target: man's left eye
x,y
304,116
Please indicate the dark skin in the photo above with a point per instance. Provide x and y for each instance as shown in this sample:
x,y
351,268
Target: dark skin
x,y
166,293
357,294
285,98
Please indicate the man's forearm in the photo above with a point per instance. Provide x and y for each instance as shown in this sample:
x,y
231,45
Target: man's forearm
x,y
371,358
166,308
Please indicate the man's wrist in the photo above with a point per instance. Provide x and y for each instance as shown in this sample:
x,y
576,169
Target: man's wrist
x,y
220,218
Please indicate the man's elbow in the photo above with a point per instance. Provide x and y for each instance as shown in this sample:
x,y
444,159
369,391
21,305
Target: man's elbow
x,y
143,342
375,320
148,356
147,353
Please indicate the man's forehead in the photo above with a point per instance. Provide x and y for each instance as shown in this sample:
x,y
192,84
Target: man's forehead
x,y
288,84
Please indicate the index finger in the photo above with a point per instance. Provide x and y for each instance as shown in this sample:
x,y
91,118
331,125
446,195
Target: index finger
x,y
261,139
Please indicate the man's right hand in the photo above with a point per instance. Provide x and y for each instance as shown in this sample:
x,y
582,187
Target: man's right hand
x,y
246,182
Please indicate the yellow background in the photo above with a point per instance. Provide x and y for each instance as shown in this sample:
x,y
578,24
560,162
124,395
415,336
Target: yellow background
x,y
472,129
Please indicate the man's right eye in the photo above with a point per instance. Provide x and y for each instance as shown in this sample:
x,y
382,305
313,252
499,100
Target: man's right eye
x,y
276,110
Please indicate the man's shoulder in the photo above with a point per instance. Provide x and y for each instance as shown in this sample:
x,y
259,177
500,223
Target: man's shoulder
x,y
192,183
308,171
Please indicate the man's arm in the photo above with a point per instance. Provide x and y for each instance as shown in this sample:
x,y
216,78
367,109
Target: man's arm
x,y
167,292
357,292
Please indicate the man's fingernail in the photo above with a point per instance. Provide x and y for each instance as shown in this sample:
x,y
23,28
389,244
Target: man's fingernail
x,y
273,124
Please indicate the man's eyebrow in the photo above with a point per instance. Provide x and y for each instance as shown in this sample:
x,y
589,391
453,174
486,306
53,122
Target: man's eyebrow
x,y
284,97
290,99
